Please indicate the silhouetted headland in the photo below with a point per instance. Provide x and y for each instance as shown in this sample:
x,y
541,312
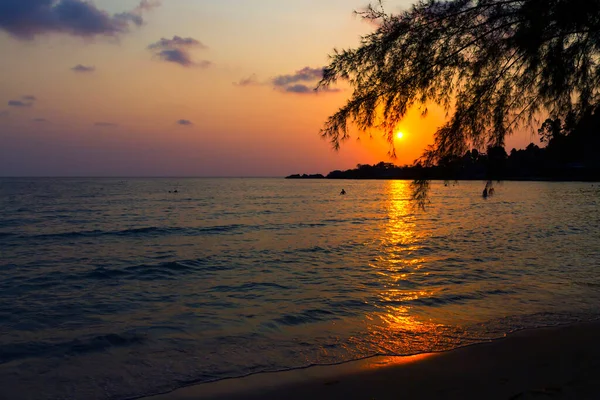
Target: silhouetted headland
x,y
531,163
305,176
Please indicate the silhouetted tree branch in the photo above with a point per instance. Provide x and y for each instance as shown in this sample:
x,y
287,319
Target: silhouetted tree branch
x,y
493,65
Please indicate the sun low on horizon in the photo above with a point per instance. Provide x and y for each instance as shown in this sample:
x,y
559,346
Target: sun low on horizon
x,y
165,88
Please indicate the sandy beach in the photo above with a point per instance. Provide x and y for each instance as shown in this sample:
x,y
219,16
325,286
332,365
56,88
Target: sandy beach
x,y
558,363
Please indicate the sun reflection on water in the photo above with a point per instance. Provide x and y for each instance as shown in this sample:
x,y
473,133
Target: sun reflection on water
x,y
396,326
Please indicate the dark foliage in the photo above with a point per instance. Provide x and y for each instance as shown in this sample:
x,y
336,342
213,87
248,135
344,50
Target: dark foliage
x,y
492,64
305,176
570,154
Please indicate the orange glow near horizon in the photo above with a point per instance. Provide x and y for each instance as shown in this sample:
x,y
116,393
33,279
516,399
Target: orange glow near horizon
x,y
124,114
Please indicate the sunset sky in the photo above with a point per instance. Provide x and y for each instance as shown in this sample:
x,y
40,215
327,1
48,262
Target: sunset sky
x,y
181,88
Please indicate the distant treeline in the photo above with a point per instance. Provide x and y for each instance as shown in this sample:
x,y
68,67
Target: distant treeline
x,y
572,152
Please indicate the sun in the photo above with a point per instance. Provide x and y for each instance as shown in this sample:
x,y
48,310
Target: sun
x,y
399,135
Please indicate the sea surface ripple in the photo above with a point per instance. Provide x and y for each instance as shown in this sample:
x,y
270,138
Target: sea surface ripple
x,y
119,288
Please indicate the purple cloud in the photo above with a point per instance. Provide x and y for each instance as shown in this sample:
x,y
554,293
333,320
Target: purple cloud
x,y
250,81
177,56
177,50
25,19
18,103
23,102
83,68
185,122
127,17
306,74
147,5
39,120
298,88
299,81
176,43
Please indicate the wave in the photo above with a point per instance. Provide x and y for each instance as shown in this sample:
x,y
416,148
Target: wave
x,y
249,286
138,232
161,271
306,317
452,298
16,351
155,231
140,272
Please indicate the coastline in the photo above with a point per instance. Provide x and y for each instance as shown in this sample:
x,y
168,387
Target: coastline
x,y
555,362
438,179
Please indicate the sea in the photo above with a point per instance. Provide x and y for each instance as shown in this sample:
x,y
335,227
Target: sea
x,y
122,288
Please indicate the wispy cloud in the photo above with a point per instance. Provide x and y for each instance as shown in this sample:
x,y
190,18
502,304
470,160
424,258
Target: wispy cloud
x,y
25,19
305,74
39,120
177,42
19,103
185,122
106,124
303,81
178,51
83,68
147,5
177,56
23,102
249,81
299,88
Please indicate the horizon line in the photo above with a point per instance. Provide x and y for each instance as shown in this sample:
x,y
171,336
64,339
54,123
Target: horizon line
x,y
138,177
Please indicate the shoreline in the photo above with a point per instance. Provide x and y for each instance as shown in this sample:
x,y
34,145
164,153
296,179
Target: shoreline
x,y
478,179
550,362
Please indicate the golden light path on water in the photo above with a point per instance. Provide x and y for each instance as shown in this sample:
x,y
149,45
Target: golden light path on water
x,y
396,326
148,290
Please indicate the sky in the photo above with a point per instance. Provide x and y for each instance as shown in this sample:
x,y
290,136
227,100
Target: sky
x,y
182,88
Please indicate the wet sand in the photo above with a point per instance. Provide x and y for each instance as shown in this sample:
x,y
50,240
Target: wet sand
x,y
549,363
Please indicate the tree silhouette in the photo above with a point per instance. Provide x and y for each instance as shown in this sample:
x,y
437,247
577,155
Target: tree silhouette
x,y
492,64
551,129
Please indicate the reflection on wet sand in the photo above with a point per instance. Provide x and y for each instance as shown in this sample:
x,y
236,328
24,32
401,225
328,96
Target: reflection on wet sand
x,y
383,362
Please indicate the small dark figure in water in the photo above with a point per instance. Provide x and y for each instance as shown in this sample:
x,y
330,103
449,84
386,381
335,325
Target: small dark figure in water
x,y
485,193
175,191
343,191
491,191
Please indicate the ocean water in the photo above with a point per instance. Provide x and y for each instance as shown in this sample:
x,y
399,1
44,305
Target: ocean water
x,y
116,288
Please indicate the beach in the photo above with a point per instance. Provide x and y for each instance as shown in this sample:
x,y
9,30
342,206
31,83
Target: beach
x,y
557,362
